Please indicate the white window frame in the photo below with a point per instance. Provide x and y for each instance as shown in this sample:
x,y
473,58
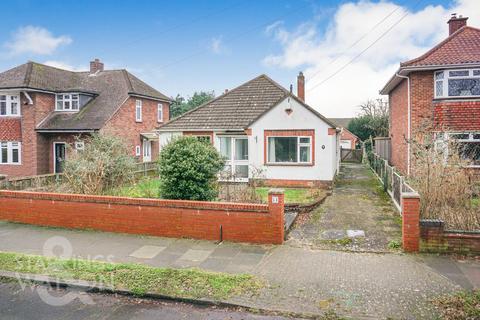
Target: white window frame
x,y
160,112
79,145
11,145
8,100
138,151
231,162
442,139
70,98
147,150
138,110
299,144
446,77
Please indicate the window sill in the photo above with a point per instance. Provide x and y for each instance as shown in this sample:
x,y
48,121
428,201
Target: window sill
x,y
290,164
10,164
10,116
462,98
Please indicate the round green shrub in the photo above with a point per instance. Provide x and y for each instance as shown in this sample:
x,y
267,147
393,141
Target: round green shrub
x,y
188,170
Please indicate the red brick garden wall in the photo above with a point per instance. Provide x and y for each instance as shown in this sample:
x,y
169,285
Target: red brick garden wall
x,y
434,238
255,223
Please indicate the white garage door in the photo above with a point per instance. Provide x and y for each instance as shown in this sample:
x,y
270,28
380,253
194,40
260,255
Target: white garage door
x,y
346,144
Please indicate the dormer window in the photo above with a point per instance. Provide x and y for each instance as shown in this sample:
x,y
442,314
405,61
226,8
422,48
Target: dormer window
x,y
457,83
68,102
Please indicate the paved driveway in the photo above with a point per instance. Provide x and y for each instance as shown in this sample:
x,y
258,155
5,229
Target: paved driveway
x,y
358,216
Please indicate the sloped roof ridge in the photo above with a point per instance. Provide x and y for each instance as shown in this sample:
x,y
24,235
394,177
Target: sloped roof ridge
x,y
222,96
438,46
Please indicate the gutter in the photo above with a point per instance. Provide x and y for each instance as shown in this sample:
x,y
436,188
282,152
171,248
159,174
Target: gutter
x,y
409,120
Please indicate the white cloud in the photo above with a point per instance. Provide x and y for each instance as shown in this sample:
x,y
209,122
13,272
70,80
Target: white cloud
x,y
351,30
217,46
36,40
64,65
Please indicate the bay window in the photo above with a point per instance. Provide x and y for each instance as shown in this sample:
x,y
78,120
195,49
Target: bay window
x,y
10,152
289,150
457,83
9,105
68,102
466,144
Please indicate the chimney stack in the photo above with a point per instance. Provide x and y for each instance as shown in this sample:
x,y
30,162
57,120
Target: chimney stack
x,y
95,66
456,23
301,86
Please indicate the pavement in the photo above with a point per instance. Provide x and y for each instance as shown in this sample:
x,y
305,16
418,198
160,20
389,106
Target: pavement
x,y
16,303
358,216
301,280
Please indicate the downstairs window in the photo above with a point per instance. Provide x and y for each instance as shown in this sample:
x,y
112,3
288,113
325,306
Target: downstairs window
x,y
10,153
289,150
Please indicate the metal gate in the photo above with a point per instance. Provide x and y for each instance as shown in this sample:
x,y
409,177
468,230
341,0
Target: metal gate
x,y
351,155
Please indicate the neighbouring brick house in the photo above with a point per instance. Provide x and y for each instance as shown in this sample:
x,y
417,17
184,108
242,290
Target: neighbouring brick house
x,y
439,90
43,109
347,139
262,126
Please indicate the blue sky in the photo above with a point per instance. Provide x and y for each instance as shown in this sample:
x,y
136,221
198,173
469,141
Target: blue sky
x,y
183,46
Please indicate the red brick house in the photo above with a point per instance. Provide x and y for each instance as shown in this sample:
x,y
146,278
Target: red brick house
x,y
43,109
348,140
439,90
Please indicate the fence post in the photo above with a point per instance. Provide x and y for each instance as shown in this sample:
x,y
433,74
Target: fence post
x,y
410,203
276,207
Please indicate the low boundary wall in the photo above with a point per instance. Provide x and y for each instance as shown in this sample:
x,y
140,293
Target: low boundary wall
x,y
254,223
434,238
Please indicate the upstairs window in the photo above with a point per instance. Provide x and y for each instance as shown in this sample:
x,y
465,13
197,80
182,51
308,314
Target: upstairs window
x,y
9,106
160,112
138,110
68,102
457,83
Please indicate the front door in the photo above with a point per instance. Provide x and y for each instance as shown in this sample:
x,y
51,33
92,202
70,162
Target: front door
x,y
235,152
59,154
147,150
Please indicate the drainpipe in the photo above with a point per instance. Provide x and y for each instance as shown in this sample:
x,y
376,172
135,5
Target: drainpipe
x,y
409,121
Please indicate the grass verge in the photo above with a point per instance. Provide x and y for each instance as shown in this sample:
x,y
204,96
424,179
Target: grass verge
x,y
460,306
140,279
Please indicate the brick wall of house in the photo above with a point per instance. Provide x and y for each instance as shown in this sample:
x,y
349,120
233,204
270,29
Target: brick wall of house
x,y
255,223
23,129
457,115
398,101
123,123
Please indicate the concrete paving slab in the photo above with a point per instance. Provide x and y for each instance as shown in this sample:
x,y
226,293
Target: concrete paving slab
x,y
196,255
355,233
225,251
147,252
215,264
333,234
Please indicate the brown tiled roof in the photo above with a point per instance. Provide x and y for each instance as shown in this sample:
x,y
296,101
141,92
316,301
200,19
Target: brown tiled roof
x,y
461,47
341,122
110,89
236,109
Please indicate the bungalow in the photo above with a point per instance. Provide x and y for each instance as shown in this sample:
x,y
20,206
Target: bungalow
x,y
262,127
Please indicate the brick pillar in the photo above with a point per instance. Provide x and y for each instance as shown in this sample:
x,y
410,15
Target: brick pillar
x,y
276,207
411,222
